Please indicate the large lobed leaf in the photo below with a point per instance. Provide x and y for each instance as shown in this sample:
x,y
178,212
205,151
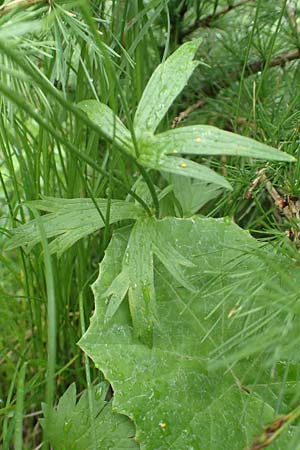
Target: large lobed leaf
x,y
167,388
72,427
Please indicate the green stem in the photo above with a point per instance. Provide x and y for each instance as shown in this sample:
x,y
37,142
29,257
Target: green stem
x,y
18,415
87,368
51,324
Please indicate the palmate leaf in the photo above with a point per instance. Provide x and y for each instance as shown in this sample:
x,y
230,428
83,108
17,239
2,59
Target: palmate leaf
x,y
70,220
71,426
165,84
174,400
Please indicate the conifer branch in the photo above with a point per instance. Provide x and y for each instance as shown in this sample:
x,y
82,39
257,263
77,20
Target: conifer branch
x,y
206,21
213,89
279,60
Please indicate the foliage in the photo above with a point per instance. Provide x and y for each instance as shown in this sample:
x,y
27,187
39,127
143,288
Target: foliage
x,y
103,162
171,394
72,426
71,220
154,151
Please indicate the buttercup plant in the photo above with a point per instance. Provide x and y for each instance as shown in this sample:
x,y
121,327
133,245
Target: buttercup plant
x,y
166,287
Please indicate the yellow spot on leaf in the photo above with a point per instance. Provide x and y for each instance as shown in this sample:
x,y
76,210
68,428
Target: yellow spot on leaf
x,y
233,311
198,139
183,165
162,424
175,151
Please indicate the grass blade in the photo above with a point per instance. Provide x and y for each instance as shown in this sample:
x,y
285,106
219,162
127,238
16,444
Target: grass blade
x,y
19,411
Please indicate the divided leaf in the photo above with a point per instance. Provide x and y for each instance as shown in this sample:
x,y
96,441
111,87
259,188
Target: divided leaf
x,y
72,427
173,398
70,220
166,82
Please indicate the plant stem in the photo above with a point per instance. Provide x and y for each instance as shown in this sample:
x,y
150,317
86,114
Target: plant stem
x,y
51,323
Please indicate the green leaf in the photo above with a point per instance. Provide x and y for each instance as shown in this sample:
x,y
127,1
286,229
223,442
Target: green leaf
x,y
71,426
110,124
173,261
139,259
156,158
115,294
188,168
192,194
166,82
174,400
136,276
70,220
208,140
